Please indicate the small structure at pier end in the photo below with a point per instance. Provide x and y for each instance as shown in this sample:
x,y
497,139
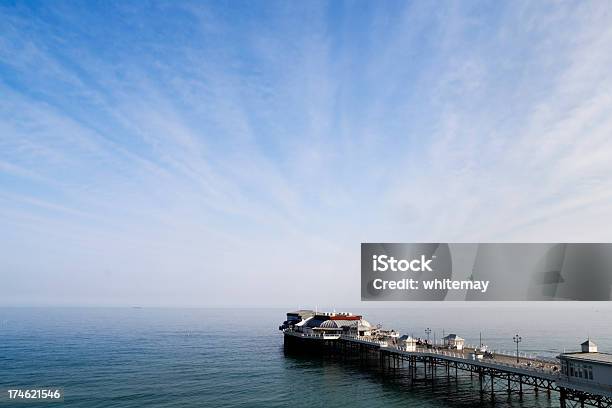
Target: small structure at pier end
x,y
580,379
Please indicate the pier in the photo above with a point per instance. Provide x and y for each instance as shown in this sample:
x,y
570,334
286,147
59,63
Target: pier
x,y
569,377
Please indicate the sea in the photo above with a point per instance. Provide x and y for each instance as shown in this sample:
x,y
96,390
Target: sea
x,y
234,357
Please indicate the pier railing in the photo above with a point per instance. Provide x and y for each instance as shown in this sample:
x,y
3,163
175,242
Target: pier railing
x,y
550,370
364,339
527,364
313,335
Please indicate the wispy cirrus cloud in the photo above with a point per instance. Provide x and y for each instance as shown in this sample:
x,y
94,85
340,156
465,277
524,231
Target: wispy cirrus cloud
x,y
207,154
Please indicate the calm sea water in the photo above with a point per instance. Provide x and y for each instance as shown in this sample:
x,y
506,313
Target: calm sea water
x,y
234,358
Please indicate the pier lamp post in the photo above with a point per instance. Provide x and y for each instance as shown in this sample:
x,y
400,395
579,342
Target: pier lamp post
x,y
428,332
517,339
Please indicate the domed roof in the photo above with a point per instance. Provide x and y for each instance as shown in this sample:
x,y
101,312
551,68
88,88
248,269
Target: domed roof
x,y
337,324
312,322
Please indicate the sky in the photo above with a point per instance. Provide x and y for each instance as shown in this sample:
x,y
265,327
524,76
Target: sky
x,y
237,153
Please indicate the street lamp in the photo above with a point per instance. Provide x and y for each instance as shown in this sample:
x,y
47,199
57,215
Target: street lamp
x,y
517,339
427,332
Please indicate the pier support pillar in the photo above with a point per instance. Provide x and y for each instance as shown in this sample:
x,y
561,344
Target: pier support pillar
x,y
563,398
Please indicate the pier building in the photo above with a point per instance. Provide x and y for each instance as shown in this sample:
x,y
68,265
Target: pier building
x,y
587,370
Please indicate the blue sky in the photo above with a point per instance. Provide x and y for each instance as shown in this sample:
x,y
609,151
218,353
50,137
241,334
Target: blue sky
x,y
228,153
